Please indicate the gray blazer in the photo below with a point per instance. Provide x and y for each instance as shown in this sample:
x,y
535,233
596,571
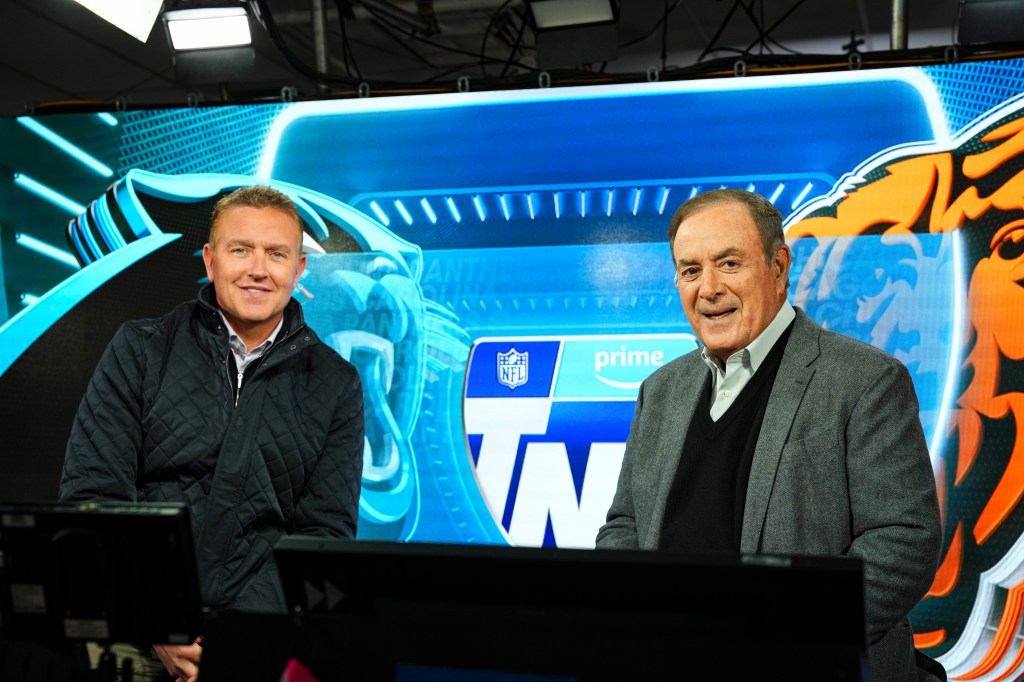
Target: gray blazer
x,y
841,468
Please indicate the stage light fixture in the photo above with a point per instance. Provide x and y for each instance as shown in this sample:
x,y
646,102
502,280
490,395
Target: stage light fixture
x,y
204,28
990,21
211,42
574,32
549,14
136,18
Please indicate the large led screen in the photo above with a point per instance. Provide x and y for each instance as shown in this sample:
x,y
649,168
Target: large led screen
x,y
496,266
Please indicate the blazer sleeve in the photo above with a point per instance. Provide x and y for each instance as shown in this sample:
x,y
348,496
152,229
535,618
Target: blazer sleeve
x,y
896,526
619,530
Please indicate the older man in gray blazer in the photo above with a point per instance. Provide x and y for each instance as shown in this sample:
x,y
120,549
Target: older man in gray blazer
x,y
777,436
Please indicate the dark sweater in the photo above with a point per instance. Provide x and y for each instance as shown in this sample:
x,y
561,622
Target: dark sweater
x,y
704,514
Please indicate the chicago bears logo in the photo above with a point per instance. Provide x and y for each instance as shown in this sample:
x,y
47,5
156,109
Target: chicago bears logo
x,y
972,191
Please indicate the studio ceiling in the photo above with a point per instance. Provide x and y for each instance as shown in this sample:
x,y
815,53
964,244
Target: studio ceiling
x,y
55,53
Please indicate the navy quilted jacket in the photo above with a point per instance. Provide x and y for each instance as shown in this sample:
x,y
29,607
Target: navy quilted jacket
x,y
159,423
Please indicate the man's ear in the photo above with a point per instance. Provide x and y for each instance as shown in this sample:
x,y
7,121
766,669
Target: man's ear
x,y
783,259
208,260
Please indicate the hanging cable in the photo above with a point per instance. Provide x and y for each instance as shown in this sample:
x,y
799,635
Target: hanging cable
x,y
487,32
267,19
767,33
664,35
718,34
517,45
348,55
657,25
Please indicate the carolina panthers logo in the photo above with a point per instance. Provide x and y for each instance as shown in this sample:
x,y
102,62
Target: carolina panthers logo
x,y
972,191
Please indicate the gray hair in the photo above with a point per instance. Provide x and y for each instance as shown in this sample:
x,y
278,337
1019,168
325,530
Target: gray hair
x,y
766,217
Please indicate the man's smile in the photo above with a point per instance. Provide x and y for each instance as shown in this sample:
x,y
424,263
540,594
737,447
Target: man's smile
x,y
719,314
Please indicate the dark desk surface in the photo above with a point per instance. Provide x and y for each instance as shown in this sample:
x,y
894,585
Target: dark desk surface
x,y
257,648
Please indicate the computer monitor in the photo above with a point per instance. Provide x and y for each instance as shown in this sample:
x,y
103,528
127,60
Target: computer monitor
x,y
404,612
102,572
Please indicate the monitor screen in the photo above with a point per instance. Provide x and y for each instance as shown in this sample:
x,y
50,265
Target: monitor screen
x,y
114,572
542,611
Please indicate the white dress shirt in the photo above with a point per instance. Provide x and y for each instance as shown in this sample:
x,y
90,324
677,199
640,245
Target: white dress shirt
x,y
242,355
729,379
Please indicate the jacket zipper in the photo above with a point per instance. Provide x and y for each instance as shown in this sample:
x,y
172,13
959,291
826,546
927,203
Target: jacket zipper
x,y
259,362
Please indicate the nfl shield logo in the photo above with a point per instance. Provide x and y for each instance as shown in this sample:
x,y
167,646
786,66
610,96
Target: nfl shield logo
x,y
513,368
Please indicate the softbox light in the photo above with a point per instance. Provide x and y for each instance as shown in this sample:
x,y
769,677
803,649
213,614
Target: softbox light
x,y
136,18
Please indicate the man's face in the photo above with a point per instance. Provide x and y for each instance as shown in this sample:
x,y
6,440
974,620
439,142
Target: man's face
x,y
729,293
254,266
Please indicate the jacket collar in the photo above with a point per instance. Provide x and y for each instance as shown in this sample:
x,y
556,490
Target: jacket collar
x,y
209,315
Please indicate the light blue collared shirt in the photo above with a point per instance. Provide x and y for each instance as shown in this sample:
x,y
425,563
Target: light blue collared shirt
x,y
729,379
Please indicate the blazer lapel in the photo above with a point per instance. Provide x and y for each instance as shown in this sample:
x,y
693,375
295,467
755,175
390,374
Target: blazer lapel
x,y
791,382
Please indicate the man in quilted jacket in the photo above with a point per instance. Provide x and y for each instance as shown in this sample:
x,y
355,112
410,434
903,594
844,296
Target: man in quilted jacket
x,y
233,406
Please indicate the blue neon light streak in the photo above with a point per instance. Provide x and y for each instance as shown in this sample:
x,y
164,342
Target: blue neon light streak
x,y
584,200
530,206
429,211
48,250
403,211
107,118
558,205
453,209
28,299
803,195
504,206
481,210
750,187
379,212
609,203
694,191
778,191
44,192
663,200
638,194
66,146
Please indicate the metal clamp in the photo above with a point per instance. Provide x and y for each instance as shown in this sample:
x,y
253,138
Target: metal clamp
x,y
855,61
739,68
543,79
653,74
289,93
462,84
364,89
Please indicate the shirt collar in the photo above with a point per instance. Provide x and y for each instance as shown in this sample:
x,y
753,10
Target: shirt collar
x,y
238,345
759,348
